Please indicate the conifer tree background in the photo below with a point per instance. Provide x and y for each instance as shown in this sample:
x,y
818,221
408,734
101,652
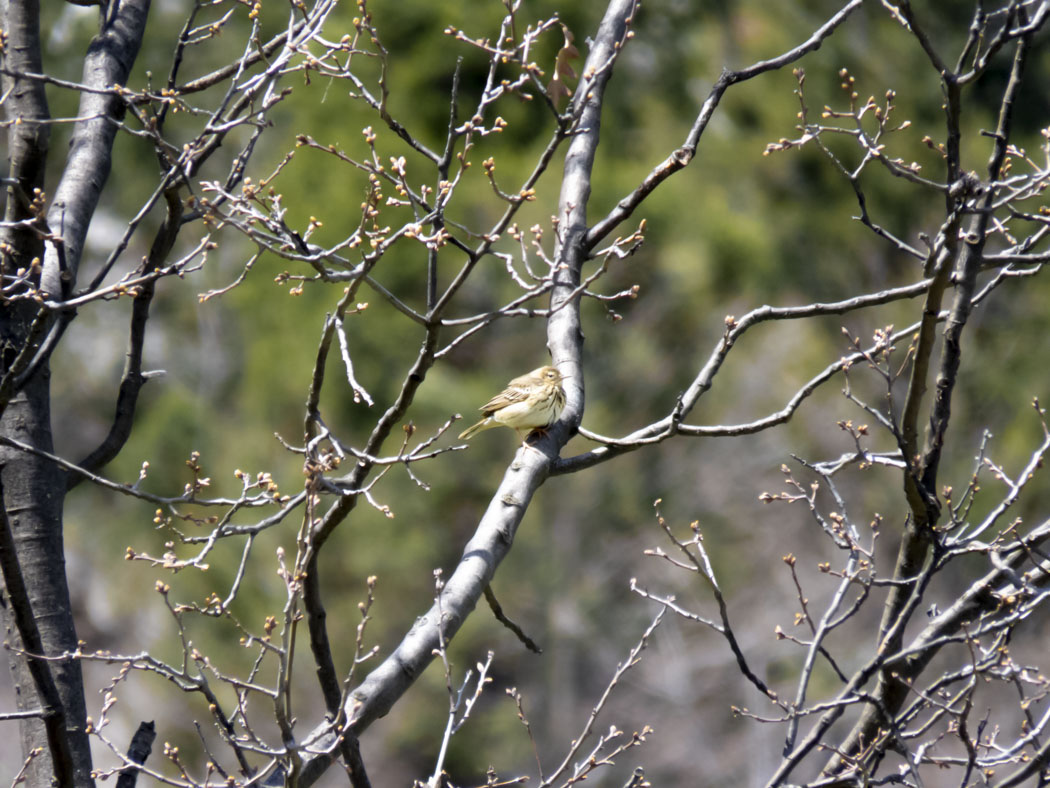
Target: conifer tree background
x,y
260,260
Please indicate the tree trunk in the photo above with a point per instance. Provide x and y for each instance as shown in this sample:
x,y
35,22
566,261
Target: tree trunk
x,y
33,494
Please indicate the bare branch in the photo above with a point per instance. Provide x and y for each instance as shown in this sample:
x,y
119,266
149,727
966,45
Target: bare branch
x,y
680,158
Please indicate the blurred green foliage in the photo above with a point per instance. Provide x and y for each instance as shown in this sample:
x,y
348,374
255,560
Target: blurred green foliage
x,y
733,231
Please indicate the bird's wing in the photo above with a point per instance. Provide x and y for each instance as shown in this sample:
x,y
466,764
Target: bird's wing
x,y
515,392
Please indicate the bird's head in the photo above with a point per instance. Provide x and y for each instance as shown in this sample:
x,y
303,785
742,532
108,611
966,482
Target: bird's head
x,y
549,375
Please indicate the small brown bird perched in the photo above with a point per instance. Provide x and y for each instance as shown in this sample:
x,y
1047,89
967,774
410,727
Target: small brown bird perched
x,y
531,402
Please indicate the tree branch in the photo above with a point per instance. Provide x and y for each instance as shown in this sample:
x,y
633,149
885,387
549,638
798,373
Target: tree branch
x,y
109,59
132,378
921,477
53,713
681,157
495,532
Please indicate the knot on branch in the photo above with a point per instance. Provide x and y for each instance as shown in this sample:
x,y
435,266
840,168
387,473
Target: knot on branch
x,y
682,156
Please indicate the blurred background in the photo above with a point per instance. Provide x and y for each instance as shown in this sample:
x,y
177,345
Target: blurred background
x,y
733,231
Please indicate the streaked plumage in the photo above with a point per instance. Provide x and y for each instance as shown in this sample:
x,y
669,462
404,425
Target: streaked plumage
x,y
533,401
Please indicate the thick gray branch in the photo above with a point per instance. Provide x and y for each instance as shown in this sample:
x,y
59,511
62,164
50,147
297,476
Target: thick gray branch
x,y
492,540
17,595
109,59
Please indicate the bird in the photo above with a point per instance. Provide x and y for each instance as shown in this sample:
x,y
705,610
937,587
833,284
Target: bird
x,y
530,402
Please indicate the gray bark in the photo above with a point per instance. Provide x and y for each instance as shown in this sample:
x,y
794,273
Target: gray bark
x,y
34,488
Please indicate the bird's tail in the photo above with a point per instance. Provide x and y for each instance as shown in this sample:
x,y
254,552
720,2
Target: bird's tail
x,y
470,432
